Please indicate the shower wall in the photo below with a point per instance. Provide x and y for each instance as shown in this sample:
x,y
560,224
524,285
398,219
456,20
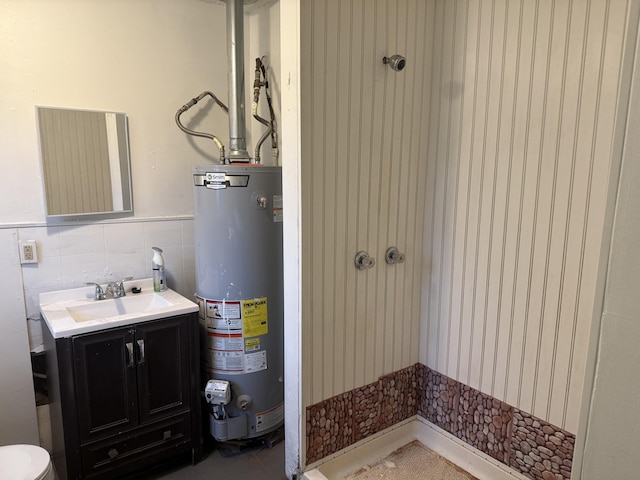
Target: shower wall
x,y
486,161
364,150
523,104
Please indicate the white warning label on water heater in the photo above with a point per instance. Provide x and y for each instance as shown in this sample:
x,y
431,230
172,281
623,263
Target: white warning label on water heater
x,y
227,362
277,208
234,331
223,315
201,311
254,362
269,418
226,342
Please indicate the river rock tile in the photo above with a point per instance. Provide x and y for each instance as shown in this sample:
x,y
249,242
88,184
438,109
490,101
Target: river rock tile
x,y
329,426
485,423
441,402
540,450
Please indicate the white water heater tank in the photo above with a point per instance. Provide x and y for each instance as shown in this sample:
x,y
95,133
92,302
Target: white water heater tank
x,y
238,254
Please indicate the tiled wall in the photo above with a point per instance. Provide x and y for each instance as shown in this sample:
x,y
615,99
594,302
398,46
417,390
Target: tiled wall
x,y
17,416
71,255
342,420
527,444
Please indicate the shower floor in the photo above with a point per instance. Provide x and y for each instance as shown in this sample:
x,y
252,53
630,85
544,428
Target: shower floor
x,y
413,461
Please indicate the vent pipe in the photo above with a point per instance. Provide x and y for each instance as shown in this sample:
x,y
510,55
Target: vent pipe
x,y
237,152
235,56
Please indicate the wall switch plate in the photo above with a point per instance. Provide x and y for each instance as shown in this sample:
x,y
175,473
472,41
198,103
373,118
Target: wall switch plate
x,y
28,251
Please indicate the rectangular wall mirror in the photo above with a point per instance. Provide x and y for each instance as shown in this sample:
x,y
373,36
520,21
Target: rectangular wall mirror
x,y
85,161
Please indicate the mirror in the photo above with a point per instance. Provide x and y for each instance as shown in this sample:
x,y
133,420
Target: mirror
x,y
85,161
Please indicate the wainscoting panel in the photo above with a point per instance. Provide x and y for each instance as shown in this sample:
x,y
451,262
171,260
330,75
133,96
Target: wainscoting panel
x,y
364,170
486,162
522,112
528,445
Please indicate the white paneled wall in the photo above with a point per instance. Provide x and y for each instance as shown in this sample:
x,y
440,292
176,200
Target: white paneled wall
x,y
522,112
497,140
364,149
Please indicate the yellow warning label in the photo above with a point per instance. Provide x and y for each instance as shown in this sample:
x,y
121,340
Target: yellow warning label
x,y
251,344
254,317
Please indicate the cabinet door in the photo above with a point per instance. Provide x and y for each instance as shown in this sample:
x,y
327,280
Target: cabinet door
x,y
163,368
105,377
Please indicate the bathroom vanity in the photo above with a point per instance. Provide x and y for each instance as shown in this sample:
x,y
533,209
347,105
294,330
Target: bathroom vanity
x,y
123,382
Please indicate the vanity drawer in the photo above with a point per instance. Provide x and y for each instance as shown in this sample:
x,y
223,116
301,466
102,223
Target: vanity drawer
x,y
114,455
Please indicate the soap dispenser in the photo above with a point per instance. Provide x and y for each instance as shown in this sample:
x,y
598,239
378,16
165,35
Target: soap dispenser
x,y
157,263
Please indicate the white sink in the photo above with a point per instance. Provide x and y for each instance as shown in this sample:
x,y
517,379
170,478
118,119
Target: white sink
x,y
138,303
74,311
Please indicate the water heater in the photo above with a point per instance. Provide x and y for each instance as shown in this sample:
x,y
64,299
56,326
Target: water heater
x,y
238,254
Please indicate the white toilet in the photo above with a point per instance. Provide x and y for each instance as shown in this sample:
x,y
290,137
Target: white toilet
x,y
25,462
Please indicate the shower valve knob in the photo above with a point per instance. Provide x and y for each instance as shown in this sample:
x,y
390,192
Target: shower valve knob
x,y
363,261
393,256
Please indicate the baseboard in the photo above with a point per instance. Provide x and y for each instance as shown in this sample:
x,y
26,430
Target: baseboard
x,y
376,447
367,451
463,455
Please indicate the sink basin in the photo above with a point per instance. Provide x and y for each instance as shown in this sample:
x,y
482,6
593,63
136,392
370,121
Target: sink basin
x,y
140,303
74,311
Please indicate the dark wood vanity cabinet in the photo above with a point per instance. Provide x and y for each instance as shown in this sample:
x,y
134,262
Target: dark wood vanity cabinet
x,y
125,399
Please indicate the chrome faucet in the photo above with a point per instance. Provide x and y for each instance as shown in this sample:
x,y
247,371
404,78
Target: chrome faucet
x,y
99,295
114,289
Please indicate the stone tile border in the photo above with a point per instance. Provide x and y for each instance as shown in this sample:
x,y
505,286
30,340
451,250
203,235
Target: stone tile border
x,y
343,420
329,426
399,396
485,423
540,450
366,410
525,443
442,397
422,382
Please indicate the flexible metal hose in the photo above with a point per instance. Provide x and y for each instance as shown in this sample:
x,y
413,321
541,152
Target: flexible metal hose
x,y
190,104
258,83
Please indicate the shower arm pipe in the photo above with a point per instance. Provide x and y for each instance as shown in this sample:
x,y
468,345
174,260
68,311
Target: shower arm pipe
x,y
190,104
258,83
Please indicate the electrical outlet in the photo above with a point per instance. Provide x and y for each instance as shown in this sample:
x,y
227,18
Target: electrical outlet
x,y
28,251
